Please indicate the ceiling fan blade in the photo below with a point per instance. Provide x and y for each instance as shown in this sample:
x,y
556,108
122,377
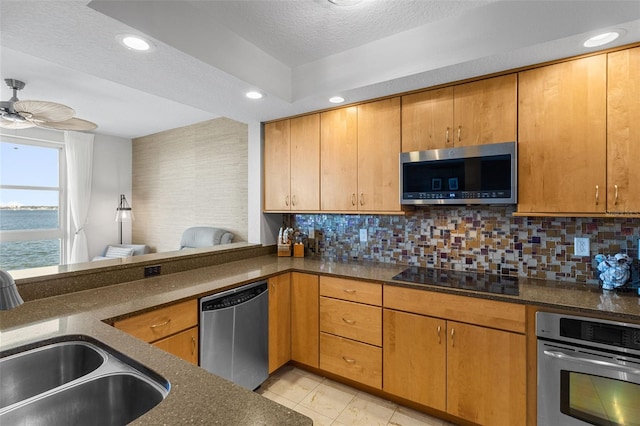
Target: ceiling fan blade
x,y
39,111
10,124
71,124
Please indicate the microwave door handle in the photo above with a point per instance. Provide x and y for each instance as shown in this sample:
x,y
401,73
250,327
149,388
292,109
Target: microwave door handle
x,y
585,360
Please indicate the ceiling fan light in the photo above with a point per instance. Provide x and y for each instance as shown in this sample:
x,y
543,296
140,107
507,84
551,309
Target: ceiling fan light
x,y
7,123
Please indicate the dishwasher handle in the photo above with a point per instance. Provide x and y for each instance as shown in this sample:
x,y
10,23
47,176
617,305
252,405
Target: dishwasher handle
x,y
227,300
586,360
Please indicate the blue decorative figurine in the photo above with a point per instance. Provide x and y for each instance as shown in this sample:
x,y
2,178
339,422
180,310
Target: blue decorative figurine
x,y
614,270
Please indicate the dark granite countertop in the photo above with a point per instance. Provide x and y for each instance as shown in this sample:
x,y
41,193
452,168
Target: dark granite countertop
x,y
198,397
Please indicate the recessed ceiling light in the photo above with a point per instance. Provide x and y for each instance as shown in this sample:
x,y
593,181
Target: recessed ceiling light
x,y
601,39
134,42
253,95
336,99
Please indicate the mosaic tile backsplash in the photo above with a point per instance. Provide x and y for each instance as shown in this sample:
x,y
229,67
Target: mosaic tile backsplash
x,y
482,239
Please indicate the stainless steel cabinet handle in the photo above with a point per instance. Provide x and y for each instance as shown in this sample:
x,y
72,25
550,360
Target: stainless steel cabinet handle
x,y
615,201
349,291
162,324
353,199
193,345
446,136
349,360
293,200
439,338
361,199
453,342
286,201
348,321
459,132
597,194
567,357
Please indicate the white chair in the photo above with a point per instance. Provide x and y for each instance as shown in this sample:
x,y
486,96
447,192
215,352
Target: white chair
x,y
204,236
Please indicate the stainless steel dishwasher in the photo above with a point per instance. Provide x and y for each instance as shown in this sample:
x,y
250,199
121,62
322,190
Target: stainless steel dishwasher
x,y
234,334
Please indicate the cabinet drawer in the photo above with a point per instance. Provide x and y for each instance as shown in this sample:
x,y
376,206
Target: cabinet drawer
x,y
162,322
489,313
354,291
351,320
353,360
183,345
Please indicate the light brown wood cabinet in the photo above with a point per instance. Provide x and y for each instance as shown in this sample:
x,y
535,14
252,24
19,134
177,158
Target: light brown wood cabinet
x,y
434,356
623,131
292,164
279,321
351,329
304,319
173,328
474,113
359,154
562,133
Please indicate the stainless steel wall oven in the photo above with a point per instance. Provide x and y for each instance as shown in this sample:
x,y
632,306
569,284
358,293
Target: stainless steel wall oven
x,y
588,371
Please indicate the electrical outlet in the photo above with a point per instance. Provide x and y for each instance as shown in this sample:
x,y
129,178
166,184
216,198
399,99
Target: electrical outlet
x,y
311,233
363,235
581,246
150,271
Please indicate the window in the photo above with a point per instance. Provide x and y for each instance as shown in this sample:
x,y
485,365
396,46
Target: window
x,y
32,203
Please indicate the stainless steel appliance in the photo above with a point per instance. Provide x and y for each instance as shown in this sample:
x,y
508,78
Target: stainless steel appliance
x,y
588,371
479,174
234,334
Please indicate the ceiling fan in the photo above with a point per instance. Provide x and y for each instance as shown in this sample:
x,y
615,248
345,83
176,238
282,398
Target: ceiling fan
x,y
17,114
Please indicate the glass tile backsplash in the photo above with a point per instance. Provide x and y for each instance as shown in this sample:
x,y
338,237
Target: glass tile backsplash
x,y
483,239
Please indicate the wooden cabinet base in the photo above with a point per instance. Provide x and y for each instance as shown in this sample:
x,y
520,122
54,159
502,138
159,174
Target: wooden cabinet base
x,y
353,360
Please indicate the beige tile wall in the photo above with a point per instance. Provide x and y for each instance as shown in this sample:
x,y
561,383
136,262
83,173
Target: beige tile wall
x,y
190,176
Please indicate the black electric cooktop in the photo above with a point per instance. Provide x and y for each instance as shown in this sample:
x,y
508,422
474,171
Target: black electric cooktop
x,y
488,283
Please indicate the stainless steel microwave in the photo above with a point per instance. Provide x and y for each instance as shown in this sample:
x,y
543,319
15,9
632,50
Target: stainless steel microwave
x,y
480,174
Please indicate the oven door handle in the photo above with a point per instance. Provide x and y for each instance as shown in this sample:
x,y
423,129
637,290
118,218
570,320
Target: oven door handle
x,y
567,357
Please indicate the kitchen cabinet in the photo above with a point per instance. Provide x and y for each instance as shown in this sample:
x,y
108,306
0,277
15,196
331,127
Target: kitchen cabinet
x,y
359,152
351,329
562,133
279,321
173,328
623,131
292,164
474,113
304,318
456,354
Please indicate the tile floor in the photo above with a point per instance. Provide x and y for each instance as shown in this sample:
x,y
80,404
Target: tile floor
x,y
331,403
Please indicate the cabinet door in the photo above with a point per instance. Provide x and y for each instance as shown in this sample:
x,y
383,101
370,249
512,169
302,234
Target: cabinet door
x,y
485,111
486,375
623,131
414,358
339,159
305,163
427,120
277,173
562,137
304,318
379,155
183,345
279,321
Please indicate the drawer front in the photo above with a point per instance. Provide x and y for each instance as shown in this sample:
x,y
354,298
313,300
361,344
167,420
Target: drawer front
x,y
488,313
354,291
162,322
351,320
183,345
353,360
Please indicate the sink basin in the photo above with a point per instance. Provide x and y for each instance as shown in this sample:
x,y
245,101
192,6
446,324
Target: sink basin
x,y
109,400
33,372
77,381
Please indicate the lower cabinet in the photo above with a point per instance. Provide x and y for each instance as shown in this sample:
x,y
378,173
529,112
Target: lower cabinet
x,y
474,372
279,321
351,359
304,319
172,328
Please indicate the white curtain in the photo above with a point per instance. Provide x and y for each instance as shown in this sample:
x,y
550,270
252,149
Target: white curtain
x,y
79,149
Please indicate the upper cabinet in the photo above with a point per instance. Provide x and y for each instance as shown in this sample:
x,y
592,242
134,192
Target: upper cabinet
x,y
292,164
562,133
359,153
623,131
475,113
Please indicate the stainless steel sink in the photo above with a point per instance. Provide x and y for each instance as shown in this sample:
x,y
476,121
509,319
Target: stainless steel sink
x,y
75,382
31,373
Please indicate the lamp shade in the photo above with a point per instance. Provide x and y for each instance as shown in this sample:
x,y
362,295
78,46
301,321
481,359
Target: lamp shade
x,y
9,296
124,212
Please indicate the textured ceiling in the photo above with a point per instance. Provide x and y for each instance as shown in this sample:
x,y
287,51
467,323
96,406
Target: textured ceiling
x,y
298,53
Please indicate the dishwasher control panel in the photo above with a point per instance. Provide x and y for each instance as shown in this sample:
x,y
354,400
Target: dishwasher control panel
x,y
233,299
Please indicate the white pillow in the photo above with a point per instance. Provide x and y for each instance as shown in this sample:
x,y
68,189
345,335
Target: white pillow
x,y
115,252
